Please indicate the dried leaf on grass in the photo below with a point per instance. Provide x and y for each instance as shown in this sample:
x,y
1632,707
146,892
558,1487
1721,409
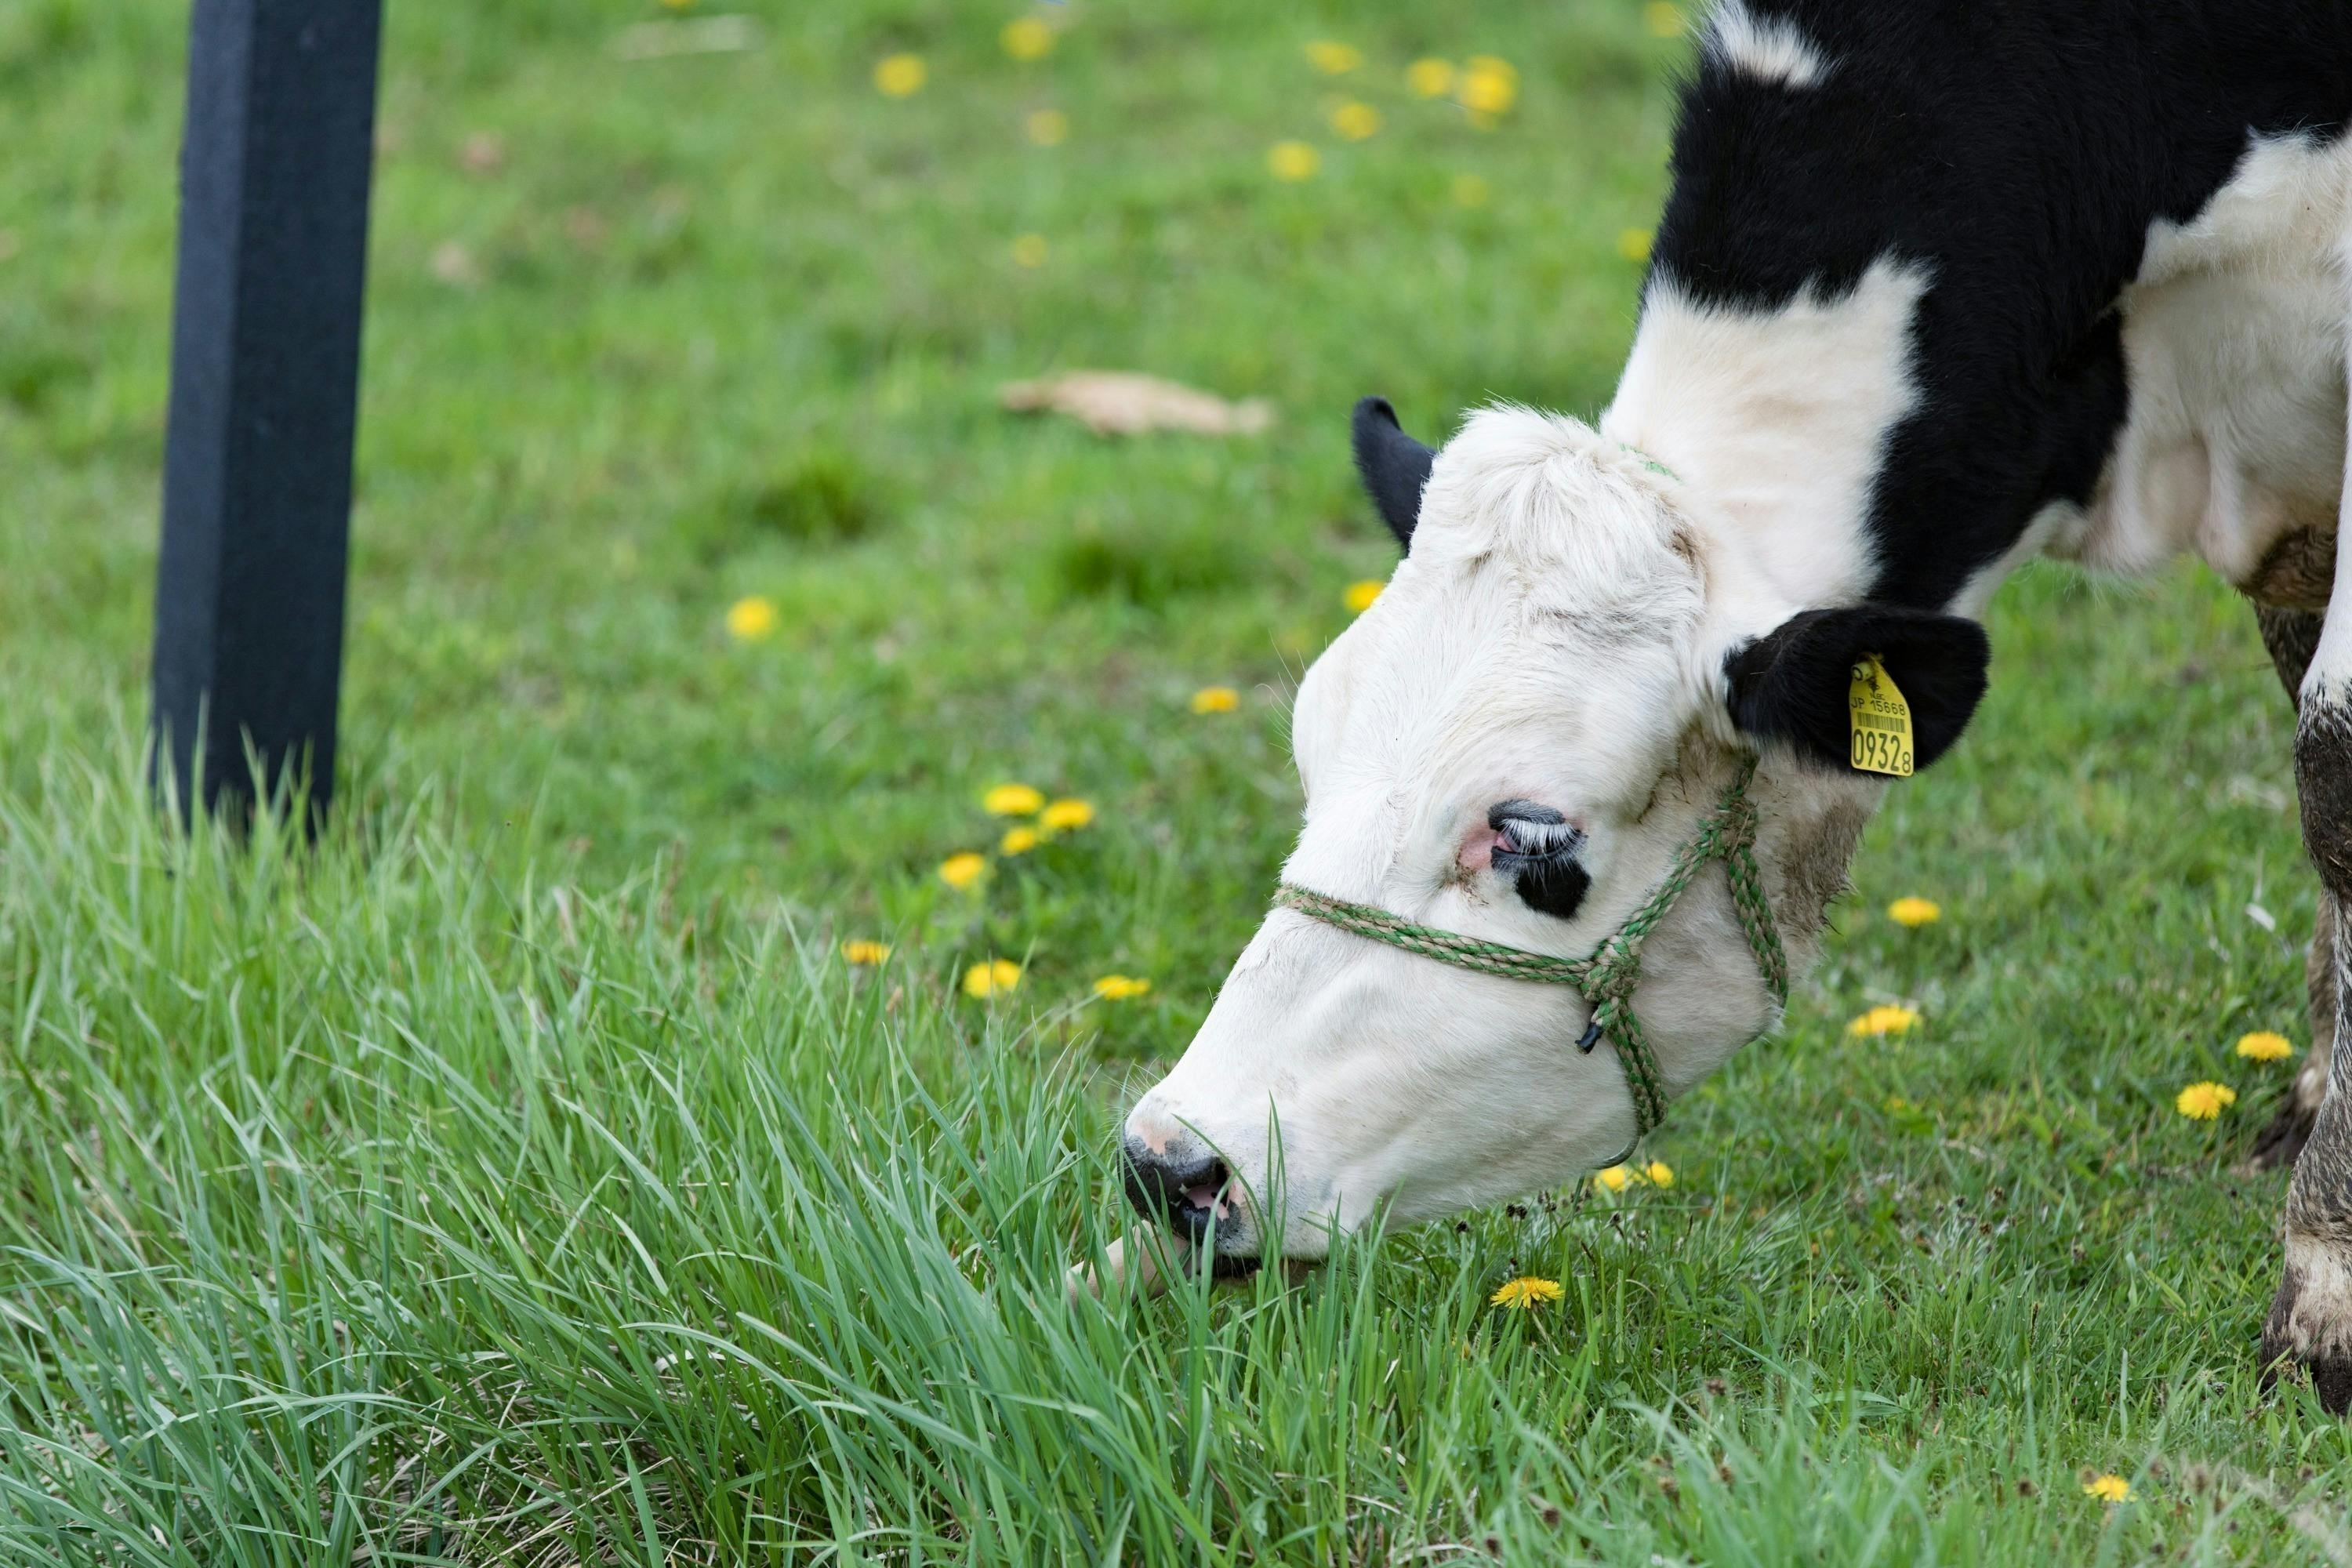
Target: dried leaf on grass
x,y
1128,402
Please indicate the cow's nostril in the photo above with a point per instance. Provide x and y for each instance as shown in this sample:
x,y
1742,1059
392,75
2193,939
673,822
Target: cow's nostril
x,y
1184,1194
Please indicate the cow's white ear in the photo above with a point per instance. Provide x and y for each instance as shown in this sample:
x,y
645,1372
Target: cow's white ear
x,y
1394,466
1792,684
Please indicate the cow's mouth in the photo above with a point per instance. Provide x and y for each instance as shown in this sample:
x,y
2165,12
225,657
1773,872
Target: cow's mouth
x,y
1203,1206
1209,1213
1199,1207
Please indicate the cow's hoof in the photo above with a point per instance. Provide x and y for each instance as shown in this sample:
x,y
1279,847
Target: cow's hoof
x,y
2277,1144
2310,1332
2331,1375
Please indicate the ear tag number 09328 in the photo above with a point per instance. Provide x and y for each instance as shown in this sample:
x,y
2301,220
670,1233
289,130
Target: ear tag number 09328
x,y
1882,721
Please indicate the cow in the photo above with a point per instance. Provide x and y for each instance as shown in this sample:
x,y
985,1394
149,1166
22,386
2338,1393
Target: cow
x,y
1939,285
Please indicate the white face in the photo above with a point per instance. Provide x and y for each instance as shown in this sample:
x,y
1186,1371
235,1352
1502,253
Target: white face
x,y
1546,647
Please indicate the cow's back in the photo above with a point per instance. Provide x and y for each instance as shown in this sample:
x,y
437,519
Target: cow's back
x,y
2124,223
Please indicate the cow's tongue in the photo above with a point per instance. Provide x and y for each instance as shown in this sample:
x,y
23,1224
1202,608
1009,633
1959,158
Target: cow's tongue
x,y
1202,1196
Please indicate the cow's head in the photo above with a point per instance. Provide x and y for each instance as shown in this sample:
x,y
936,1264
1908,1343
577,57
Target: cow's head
x,y
1559,682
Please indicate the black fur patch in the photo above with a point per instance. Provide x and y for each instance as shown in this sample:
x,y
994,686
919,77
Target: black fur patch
x,y
1543,866
2323,777
2016,153
1395,467
1792,684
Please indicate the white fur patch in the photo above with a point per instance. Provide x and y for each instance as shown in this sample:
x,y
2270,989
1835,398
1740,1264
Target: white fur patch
x,y
2320,1321
2283,206
1768,49
1778,420
2234,340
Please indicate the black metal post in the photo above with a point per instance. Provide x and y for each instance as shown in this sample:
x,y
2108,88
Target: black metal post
x,y
265,384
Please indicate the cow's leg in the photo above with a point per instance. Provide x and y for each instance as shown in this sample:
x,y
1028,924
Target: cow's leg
x,y
2311,1319
2292,637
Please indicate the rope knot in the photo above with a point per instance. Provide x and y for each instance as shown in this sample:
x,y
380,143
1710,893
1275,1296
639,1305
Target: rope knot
x,y
1613,982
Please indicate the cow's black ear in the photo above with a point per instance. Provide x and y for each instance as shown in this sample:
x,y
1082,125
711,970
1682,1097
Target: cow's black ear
x,y
1394,466
1793,684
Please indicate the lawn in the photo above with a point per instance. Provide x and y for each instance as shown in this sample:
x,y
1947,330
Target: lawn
x,y
524,1176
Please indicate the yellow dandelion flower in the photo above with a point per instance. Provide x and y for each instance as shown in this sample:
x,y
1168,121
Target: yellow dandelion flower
x,y
1430,77
752,619
1662,19
1356,120
1915,911
1065,815
1887,1019
1121,987
2262,1046
993,978
2107,1488
1334,59
1633,244
1527,1294
2204,1102
1488,87
1291,162
1047,127
1028,38
865,952
1614,1179
1471,191
1018,841
1030,250
1359,596
900,76
1215,699
1661,1175
960,871
1013,800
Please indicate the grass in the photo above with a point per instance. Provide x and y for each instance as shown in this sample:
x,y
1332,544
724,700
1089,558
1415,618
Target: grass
x,y
521,1176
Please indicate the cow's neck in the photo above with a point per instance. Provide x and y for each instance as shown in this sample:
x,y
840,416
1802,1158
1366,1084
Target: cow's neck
x,y
1883,333
1776,418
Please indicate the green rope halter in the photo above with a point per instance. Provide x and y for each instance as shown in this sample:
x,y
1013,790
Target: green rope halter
x,y
1606,977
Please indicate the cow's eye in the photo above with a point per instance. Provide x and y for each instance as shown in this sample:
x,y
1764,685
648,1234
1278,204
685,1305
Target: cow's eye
x,y
1541,852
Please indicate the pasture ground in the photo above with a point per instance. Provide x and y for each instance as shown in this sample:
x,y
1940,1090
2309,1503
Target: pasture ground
x,y
524,1177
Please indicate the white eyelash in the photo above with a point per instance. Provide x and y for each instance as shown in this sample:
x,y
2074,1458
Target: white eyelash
x,y
1540,838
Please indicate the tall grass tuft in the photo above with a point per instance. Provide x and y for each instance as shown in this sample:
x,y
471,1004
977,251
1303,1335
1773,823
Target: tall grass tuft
x,y
381,1201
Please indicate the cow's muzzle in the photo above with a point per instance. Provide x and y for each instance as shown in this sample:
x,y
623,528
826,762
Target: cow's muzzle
x,y
1181,1190
1192,1193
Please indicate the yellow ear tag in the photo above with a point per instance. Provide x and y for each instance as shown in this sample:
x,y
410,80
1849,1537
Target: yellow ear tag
x,y
1882,721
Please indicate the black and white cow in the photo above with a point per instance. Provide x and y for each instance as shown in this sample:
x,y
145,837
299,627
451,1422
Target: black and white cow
x,y
1941,285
